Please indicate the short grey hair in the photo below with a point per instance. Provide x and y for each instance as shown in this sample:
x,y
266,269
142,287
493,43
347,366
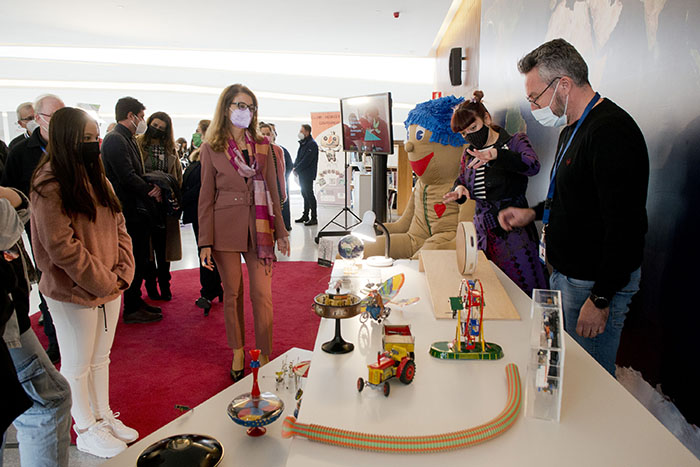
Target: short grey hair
x,y
21,107
554,59
39,102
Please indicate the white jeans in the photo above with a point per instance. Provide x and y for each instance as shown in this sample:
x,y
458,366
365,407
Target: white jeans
x,y
85,337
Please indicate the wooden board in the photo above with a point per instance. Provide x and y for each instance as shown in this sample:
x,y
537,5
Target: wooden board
x,y
440,267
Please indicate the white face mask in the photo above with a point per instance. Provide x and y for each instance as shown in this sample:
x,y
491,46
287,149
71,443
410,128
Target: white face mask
x,y
141,127
546,117
301,136
31,126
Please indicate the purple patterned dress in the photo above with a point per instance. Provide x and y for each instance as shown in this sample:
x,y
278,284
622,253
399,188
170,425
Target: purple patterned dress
x,y
499,184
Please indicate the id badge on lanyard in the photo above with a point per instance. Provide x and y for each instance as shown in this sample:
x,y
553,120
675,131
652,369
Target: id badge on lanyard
x,y
543,246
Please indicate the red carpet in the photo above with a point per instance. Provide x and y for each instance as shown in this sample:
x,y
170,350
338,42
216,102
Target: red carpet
x,y
184,359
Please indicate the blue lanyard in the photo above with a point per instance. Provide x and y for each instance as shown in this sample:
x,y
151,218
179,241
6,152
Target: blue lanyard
x,y
560,156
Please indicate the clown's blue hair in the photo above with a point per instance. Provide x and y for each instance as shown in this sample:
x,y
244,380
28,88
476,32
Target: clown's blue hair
x,y
435,115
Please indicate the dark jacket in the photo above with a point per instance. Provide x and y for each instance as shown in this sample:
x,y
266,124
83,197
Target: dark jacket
x,y
306,162
21,162
191,184
3,156
18,139
124,169
14,298
171,204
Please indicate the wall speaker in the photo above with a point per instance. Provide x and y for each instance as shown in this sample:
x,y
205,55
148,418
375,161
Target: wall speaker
x,y
456,66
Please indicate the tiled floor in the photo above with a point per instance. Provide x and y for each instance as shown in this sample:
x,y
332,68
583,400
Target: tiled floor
x,y
303,248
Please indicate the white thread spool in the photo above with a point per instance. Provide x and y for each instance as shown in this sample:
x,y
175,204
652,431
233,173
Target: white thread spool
x,y
467,252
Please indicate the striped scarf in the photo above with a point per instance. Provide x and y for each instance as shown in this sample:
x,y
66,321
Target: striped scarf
x,y
264,214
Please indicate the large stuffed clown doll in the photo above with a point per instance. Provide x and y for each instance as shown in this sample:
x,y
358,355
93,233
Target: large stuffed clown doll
x,y
434,153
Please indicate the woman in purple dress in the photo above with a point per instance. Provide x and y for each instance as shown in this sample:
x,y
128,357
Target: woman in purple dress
x,y
494,171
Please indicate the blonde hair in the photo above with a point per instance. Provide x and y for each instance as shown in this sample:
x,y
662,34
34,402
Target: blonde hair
x,y
218,132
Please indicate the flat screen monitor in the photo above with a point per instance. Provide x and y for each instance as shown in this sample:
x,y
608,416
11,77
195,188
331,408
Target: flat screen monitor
x,y
367,124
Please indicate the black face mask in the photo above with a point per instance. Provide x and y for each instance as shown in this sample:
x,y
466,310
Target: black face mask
x,y
479,137
155,133
90,152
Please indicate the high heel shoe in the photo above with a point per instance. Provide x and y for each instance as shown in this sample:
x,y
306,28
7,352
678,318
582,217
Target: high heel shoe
x,y
238,360
204,304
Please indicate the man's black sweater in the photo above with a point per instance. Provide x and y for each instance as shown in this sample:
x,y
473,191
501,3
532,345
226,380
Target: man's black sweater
x,y
598,217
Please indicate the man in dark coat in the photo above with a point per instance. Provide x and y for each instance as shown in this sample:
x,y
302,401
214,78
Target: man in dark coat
x,y
21,162
124,169
305,167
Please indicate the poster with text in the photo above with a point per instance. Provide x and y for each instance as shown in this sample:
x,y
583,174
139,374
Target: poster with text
x,y
330,181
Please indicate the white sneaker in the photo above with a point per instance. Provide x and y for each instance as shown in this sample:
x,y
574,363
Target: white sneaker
x,y
119,430
99,441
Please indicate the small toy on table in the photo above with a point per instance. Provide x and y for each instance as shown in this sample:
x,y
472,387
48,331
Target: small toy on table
x,y
396,360
255,409
374,305
469,343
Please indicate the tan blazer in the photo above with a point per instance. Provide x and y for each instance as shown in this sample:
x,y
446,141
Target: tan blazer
x,y
226,207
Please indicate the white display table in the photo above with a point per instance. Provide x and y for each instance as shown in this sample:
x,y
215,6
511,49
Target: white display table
x,y
210,418
601,423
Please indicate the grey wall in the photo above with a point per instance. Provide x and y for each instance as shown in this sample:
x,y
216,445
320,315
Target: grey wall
x,y
645,56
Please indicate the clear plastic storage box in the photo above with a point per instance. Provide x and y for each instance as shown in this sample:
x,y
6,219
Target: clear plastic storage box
x,y
545,370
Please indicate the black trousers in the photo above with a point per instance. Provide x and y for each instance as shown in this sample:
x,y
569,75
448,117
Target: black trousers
x,y
209,280
286,214
307,192
139,230
159,268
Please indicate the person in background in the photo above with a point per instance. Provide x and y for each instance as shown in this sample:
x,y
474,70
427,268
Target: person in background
x,y
288,167
3,156
278,157
305,166
124,169
111,127
595,216
80,242
191,185
240,214
494,171
40,406
158,154
182,152
25,120
21,163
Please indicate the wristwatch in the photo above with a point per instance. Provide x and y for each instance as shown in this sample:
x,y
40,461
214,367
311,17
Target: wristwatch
x,y
600,302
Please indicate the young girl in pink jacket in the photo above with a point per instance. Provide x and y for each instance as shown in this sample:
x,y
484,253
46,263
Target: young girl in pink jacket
x,y
81,246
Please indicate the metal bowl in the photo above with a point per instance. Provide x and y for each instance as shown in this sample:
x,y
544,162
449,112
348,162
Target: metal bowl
x,y
179,450
323,309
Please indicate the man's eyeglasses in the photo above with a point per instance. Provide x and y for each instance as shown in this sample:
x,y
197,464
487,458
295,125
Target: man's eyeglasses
x,y
534,101
27,119
243,106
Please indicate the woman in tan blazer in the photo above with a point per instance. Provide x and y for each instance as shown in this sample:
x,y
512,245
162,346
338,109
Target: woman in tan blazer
x,y
239,213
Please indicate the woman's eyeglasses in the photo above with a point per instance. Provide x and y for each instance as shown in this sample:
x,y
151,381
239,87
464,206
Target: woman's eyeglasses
x,y
243,106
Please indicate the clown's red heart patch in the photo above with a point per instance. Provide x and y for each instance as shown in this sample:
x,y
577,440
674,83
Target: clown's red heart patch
x,y
440,209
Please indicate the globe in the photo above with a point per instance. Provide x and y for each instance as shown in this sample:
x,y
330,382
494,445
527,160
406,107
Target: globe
x,y
350,247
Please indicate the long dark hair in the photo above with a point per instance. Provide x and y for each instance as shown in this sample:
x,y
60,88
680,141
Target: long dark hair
x,y
169,141
68,169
